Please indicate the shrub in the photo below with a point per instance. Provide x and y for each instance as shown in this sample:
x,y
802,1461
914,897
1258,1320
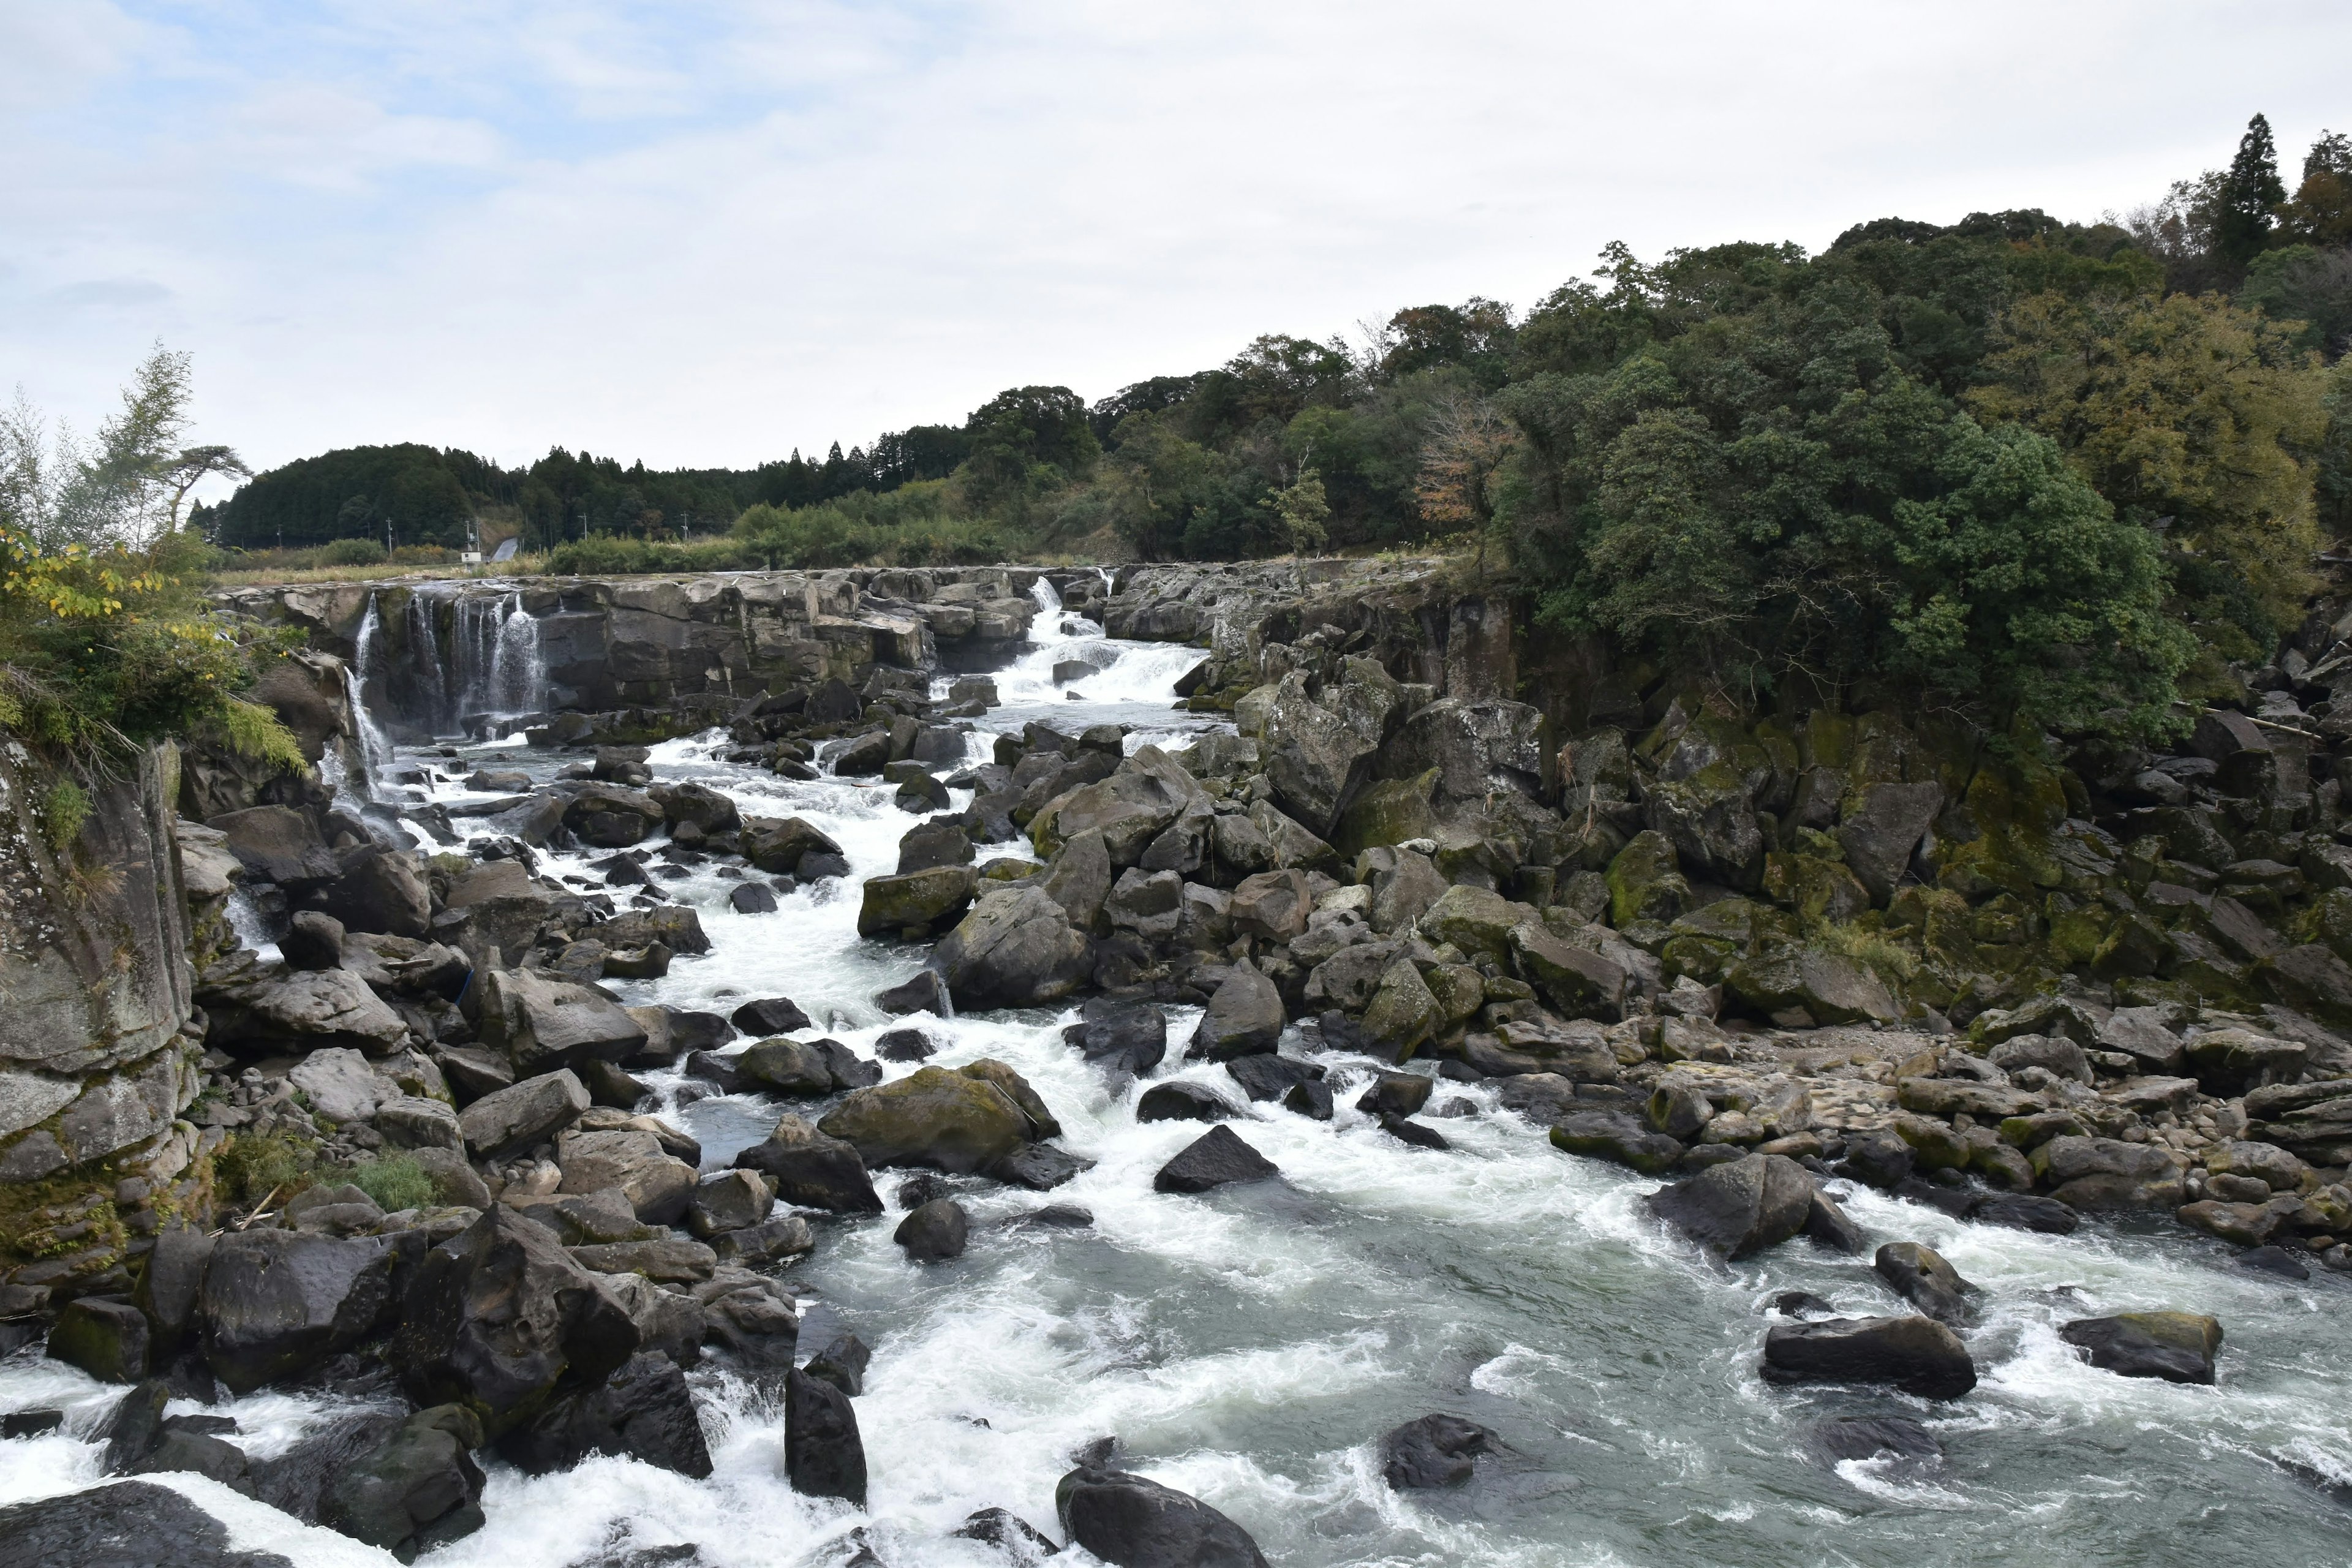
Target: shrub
x,y
353,552
396,1181
250,1166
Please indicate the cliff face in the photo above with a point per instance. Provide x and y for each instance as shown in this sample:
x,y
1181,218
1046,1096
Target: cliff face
x,y
95,984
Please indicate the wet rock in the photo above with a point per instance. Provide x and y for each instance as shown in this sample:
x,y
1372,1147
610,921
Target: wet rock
x,y
770,1015
498,1317
1271,1076
1183,1102
1245,1017
1130,808
922,991
934,1232
728,1199
1015,949
1878,1159
107,1339
2178,1347
1613,1135
824,1454
1827,1225
1739,1207
751,899
1412,1132
812,1170
131,1525
632,1163
904,1045
1080,880
1877,1437
2017,1211
517,1118
1009,1534
274,1302
2106,1174
168,1287
1135,1523
1921,1277
30,1422
1310,1098
643,1412
925,899
841,1362
136,1426
1396,1093
1125,1038
765,1244
777,844
1404,1012
1215,1159
417,1491
1915,1354
1432,1451
953,1122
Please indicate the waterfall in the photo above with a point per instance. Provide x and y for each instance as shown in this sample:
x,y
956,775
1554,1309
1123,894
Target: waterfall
x,y
517,673
1049,599
425,661
488,666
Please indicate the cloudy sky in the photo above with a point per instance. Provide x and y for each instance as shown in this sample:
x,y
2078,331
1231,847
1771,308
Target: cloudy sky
x,y
707,231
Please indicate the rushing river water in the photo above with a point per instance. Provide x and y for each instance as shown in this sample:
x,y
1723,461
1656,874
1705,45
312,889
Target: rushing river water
x,y
1250,1346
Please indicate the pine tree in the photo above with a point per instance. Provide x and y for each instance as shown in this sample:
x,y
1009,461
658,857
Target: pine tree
x,y
2249,193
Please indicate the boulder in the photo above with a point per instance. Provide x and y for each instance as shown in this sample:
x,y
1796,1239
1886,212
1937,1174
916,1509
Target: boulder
x,y
1316,761
1476,921
1403,1012
411,1122
1271,1076
1396,1093
1576,980
259,1010
1741,1207
1126,1038
824,1454
1877,1437
1404,884
107,1339
1132,1523
1829,987
1915,1354
1183,1102
278,843
278,1302
130,1524
1921,1277
751,899
768,1243
499,1317
1015,949
728,1199
1432,1451
770,1015
643,1410
633,1164
1130,808
312,940
1215,1159
925,899
1478,749
529,1113
1613,1135
921,991
1645,882
168,1287
1245,1017
934,1232
812,1170
1080,880
775,845
1273,905
544,1024
416,1490
2106,1174
949,1120
1882,828
2178,1347
378,890
340,1085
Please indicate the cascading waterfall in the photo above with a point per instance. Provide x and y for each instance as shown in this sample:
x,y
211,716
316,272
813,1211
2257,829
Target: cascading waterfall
x,y
497,669
375,746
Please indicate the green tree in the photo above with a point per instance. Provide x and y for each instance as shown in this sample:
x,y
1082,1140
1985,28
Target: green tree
x,y
2321,212
2249,196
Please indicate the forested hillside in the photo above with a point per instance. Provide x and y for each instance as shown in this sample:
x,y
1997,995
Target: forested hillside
x,y
2057,466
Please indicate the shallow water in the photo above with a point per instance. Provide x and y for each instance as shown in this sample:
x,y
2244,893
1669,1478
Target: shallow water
x,y
1250,1346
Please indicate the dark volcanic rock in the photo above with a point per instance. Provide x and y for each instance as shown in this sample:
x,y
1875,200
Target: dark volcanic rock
x,y
1613,1135
1136,1523
2178,1347
1433,1451
274,1302
1869,1436
1181,1101
1270,1077
1926,1282
417,1490
1738,1207
1129,1037
1918,1355
642,1411
824,1456
812,1170
131,1525
934,1232
770,1015
1217,1158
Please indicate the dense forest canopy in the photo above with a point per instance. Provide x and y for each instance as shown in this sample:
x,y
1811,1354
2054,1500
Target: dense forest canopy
x,y
2058,467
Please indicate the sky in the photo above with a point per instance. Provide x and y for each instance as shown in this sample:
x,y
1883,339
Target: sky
x,y
706,232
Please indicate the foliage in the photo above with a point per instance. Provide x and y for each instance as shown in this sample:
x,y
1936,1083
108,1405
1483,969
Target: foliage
x,y
251,1167
353,552
64,809
396,1181
2301,284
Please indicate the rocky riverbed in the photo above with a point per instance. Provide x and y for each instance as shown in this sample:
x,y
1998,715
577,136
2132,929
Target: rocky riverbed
x,y
930,1117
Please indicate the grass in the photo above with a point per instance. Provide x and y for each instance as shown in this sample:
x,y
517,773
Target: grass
x,y
396,1181
250,1166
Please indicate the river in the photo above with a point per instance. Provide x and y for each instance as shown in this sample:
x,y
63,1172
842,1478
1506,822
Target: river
x,y
1250,1346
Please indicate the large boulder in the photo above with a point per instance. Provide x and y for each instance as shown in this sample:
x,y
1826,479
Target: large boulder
x,y
1882,828
528,1114
2106,1174
128,1524
499,1318
1433,1451
277,1302
1577,980
775,845
643,1412
1709,817
416,1490
258,1010
1015,949
1081,880
107,1339
812,1170
543,1023
633,1164
1245,1017
1130,808
1476,921
1315,758
1915,1354
2178,1347
341,1086
1925,1280
1402,1013
379,891
1271,904
1478,749
278,843
951,1121
1132,1523
1828,987
1128,1038
925,899
1613,1135
1215,1159
1741,1207
824,1454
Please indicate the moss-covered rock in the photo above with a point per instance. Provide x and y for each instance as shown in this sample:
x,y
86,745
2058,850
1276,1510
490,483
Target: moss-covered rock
x,y
920,899
1830,988
931,1117
1815,889
1404,1013
1645,881
1476,921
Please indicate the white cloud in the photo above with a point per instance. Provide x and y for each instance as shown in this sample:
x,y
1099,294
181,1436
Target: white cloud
x,y
709,232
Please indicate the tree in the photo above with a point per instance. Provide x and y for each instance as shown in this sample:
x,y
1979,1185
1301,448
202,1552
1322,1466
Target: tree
x,y
2321,212
1464,449
2193,417
2250,196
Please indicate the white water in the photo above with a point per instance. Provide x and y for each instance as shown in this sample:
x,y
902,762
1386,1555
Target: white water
x,y
1250,1346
